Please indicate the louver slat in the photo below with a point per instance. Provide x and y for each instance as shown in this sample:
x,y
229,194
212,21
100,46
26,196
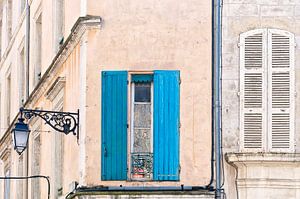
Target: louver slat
x,y
280,130
253,90
253,51
280,51
252,87
280,90
253,130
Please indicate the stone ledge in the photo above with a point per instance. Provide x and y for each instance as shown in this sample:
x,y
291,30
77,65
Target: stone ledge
x,y
144,196
269,183
263,157
153,194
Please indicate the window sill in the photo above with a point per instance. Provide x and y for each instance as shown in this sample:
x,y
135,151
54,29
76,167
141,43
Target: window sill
x,y
259,172
262,157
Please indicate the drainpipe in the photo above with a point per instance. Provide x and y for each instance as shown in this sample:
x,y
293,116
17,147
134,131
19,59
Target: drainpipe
x,y
217,71
27,43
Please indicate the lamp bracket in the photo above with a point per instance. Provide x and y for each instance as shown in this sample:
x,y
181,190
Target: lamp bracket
x,y
65,122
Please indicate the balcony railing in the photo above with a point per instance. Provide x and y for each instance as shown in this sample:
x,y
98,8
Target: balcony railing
x,y
141,166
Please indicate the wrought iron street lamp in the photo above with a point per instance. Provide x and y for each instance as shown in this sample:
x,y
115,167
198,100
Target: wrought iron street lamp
x,y
64,122
20,136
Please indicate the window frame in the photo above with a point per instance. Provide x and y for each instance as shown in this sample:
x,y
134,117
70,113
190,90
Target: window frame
x,y
267,72
131,100
115,118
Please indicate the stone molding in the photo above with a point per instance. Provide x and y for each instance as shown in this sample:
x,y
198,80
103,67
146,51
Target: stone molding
x,y
244,158
266,170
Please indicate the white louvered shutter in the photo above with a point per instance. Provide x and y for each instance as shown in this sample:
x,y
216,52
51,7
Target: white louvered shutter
x,y
280,90
253,57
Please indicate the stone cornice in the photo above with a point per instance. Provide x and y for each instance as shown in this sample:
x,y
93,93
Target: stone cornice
x,y
80,27
55,88
262,157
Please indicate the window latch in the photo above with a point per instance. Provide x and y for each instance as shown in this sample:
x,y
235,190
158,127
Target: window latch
x,y
105,152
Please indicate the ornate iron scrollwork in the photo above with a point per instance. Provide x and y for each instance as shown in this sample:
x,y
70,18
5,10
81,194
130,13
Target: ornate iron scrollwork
x,y
142,165
65,122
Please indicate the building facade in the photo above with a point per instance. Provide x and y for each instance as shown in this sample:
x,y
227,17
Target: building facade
x,y
260,102
139,72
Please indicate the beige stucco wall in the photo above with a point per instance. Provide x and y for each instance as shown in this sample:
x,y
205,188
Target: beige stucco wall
x,y
238,17
136,36
131,40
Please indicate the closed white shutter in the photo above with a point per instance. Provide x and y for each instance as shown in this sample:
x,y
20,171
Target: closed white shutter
x,y
253,78
280,90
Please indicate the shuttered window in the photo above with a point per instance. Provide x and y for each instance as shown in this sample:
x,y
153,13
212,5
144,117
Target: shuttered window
x,y
267,90
116,163
166,125
114,125
253,86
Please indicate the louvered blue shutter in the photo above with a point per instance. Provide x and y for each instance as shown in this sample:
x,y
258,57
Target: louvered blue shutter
x,y
114,125
166,126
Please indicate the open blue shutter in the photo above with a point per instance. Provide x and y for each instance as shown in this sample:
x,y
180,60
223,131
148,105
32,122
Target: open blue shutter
x,y
166,125
114,125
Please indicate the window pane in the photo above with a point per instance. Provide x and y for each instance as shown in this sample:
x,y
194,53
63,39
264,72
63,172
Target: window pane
x,y
142,92
142,141
142,115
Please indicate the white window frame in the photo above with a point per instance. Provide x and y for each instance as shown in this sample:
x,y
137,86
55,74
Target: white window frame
x,y
131,129
267,77
292,90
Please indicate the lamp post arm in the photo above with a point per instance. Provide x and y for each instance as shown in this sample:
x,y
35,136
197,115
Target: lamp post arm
x,y
64,122
28,177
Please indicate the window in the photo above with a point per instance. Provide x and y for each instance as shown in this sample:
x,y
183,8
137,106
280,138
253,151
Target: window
x,y
141,127
38,50
56,95
36,159
267,90
22,79
22,6
58,143
58,23
7,185
20,183
153,133
8,99
6,23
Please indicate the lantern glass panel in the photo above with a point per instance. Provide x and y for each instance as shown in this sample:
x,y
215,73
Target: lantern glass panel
x,y
21,138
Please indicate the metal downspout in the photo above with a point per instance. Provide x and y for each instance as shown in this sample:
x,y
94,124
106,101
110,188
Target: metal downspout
x,y
217,92
27,46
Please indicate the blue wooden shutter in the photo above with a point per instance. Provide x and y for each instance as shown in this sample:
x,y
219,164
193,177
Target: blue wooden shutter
x,y
166,125
114,125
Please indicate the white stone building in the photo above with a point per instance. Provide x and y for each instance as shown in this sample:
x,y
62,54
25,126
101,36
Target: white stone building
x,y
260,98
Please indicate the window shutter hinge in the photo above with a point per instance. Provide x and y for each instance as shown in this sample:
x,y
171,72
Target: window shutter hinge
x,y
179,168
239,44
179,125
238,94
295,44
127,82
127,125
